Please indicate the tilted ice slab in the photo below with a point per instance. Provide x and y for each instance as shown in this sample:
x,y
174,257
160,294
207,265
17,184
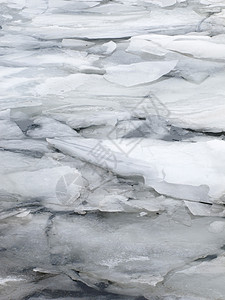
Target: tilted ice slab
x,y
43,179
81,117
192,171
25,145
200,107
199,48
202,47
47,127
9,130
204,113
209,52
139,73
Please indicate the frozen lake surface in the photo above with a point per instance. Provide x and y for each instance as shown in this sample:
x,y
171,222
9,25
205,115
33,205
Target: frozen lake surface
x,y
112,150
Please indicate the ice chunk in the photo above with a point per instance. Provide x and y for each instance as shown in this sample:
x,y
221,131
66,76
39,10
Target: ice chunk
x,y
204,49
9,130
104,49
47,127
204,209
139,73
82,117
193,106
46,183
215,23
44,179
26,145
139,45
174,169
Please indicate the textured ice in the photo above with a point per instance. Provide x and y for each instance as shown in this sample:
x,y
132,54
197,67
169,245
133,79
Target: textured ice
x,y
174,169
112,149
137,255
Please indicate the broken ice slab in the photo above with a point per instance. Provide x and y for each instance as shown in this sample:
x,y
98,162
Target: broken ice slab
x,y
41,183
193,106
214,23
44,127
175,169
84,116
9,130
203,49
205,209
133,255
167,47
139,73
26,146
198,46
139,45
128,239
104,49
45,179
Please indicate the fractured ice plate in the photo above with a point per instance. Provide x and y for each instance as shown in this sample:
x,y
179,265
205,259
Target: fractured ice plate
x,y
138,73
186,170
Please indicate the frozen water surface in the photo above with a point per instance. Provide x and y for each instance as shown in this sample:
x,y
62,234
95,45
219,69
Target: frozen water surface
x,y
112,150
